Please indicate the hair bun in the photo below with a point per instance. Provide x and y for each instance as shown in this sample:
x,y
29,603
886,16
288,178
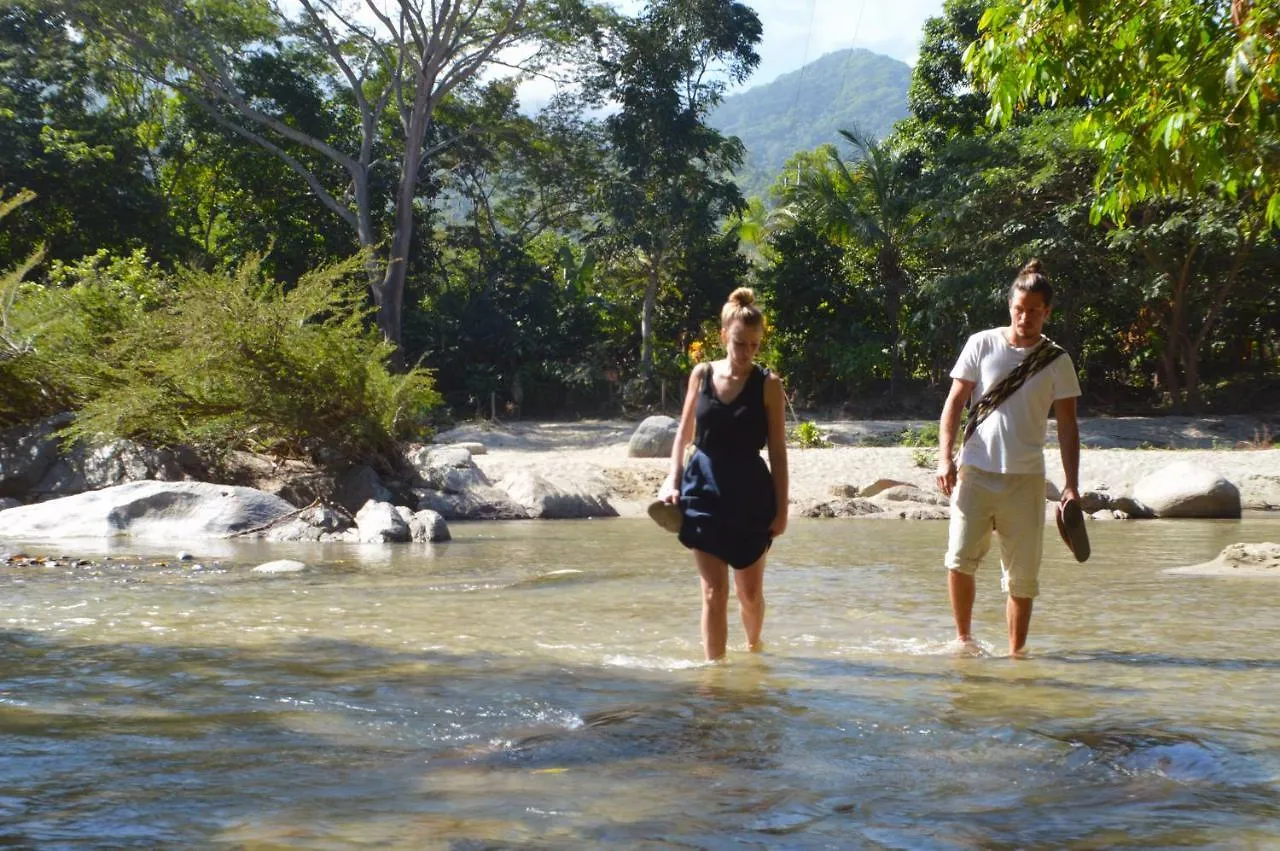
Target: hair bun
x,y
743,297
1033,267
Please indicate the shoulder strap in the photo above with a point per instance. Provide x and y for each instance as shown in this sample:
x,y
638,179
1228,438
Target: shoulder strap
x,y
1039,357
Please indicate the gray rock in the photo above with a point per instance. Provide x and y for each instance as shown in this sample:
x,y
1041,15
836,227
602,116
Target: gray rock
x,y
1131,508
1051,492
653,438
379,522
541,497
879,486
1261,492
283,565
175,511
428,526
1093,501
857,507
472,447
317,523
911,493
27,452
448,469
480,503
1185,489
83,468
357,486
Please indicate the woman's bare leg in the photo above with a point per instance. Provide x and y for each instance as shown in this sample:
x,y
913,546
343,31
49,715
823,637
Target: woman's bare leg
x,y
715,603
749,583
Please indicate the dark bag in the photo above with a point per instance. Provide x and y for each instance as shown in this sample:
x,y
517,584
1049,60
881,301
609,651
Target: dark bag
x,y
1040,357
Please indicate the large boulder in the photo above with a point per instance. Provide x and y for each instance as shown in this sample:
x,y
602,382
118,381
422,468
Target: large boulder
x,y
480,503
541,497
86,468
27,453
380,523
425,526
176,511
448,469
653,438
313,523
1185,489
359,484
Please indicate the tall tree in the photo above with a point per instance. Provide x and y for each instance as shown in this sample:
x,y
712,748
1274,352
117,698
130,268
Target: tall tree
x,y
400,59
870,201
1181,95
666,69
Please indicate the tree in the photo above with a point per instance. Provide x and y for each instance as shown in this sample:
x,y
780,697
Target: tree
x,y
1180,95
871,202
398,61
666,70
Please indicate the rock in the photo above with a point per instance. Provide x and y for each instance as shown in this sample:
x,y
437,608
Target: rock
x,y
857,507
911,493
379,523
1239,560
83,468
316,523
27,453
283,565
1093,501
1051,492
175,511
185,556
1260,492
925,514
844,491
1131,508
653,438
357,486
879,485
479,503
428,526
447,469
1185,489
541,497
472,447
1102,514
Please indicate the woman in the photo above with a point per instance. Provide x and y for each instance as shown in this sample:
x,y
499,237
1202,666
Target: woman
x,y
731,505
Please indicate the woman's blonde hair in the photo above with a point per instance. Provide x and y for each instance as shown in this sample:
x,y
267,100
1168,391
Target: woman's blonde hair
x,y
741,307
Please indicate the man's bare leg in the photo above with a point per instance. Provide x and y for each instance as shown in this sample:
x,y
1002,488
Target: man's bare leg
x,y
715,603
1017,612
963,589
749,583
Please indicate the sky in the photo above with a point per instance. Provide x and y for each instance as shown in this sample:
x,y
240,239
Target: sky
x,y
799,31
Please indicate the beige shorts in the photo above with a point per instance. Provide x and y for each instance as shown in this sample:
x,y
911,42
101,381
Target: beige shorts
x,y
1012,503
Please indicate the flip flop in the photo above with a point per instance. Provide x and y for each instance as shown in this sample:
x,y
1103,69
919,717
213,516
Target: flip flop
x,y
1071,527
666,515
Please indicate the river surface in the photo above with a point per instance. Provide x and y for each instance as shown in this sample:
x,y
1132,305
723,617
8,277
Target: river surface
x,y
539,685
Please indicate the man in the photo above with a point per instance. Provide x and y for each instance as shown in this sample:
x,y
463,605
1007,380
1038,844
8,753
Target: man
x,y
998,480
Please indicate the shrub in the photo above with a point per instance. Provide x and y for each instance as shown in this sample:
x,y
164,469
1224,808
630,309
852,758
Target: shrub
x,y
926,435
808,436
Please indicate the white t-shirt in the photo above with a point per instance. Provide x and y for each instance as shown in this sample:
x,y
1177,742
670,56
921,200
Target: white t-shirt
x,y
1011,439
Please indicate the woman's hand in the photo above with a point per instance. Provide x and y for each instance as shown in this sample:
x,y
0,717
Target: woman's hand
x,y
779,524
669,492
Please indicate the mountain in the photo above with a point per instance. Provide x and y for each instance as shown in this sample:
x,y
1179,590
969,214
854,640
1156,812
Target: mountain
x,y
803,109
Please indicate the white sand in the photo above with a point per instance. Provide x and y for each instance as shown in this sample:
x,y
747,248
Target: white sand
x,y
594,453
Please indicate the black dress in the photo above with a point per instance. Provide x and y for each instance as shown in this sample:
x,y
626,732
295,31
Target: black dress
x,y
726,492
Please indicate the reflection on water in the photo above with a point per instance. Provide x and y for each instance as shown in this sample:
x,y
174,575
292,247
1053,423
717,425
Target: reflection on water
x,y
538,685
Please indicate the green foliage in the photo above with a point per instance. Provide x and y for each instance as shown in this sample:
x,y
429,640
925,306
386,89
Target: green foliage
x,y
222,360
1180,95
926,435
807,435
924,457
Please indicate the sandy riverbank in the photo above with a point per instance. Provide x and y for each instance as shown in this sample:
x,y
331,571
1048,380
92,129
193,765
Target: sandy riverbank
x,y
594,453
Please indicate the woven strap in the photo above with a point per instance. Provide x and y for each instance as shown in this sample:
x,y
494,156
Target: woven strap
x,y
1037,359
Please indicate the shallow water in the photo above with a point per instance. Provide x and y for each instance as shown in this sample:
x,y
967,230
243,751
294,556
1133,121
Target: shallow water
x,y
538,685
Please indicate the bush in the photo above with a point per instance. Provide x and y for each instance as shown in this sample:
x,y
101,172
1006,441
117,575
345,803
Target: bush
x,y
225,360
808,436
926,435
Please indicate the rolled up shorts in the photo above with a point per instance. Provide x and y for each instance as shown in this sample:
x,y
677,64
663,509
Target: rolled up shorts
x,y
1011,505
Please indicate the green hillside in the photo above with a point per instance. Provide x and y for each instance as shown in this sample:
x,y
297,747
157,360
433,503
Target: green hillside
x,y
805,108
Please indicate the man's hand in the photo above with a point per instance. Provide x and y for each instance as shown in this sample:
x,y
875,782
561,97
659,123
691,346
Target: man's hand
x,y
669,492
947,476
1069,494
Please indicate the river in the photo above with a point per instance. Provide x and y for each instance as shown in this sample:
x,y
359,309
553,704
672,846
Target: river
x,y
539,685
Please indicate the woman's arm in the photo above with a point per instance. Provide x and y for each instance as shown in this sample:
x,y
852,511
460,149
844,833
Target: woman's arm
x,y
670,490
775,403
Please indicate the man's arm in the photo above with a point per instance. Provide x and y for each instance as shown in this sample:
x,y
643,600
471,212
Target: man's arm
x,y
1064,410
948,425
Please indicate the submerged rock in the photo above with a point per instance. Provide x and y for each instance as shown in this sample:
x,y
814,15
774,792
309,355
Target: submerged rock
x,y
1238,560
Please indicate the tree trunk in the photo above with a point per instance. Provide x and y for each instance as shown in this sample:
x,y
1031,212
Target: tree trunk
x,y
646,319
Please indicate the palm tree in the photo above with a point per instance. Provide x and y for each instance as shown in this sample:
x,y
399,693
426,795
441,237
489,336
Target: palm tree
x,y
868,202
